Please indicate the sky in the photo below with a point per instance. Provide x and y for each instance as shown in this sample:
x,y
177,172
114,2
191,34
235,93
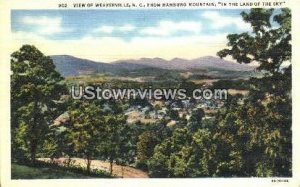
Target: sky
x,y
110,35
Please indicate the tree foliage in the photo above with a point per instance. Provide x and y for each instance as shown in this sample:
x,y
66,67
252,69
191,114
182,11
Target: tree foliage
x,y
259,131
35,89
267,44
252,135
85,129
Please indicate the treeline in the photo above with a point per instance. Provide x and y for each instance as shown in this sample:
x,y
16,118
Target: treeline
x,y
239,84
250,136
249,139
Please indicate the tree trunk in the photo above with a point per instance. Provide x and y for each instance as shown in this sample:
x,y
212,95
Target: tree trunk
x,y
52,159
122,171
111,166
69,161
34,139
88,166
33,147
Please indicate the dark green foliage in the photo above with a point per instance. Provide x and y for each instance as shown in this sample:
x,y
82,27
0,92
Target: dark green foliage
x,y
42,170
196,120
252,135
84,131
35,89
95,133
145,148
259,131
239,84
184,154
267,45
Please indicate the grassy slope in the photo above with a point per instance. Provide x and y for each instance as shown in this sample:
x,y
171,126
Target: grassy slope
x,y
28,172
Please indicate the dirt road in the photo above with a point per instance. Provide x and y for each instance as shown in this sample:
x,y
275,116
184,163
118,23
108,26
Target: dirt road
x,y
119,171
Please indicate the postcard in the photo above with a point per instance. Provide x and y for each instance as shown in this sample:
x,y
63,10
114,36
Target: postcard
x,y
149,93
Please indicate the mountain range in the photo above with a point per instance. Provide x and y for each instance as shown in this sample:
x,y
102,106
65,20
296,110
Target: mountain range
x,y
72,66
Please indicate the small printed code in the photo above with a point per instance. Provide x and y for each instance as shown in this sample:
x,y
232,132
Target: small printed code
x,y
279,180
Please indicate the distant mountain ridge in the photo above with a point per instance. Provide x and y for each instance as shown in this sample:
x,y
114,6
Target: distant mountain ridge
x,y
72,66
183,64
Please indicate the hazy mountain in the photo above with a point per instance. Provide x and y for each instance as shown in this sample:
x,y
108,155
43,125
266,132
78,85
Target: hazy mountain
x,y
72,66
183,64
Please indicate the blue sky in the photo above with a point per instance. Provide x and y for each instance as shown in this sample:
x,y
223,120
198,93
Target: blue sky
x,y
119,34
78,23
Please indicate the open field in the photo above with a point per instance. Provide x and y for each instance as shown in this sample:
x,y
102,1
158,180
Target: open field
x,y
29,172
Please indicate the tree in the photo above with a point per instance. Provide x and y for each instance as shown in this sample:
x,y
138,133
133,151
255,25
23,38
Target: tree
x,y
100,134
259,131
50,147
170,156
196,119
252,135
35,89
268,45
115,135
201,161
184,154
145,148
127,147
158,164
86,129
173,114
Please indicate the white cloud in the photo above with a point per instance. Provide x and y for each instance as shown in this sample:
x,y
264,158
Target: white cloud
x,y
105,29
219,21
126,28
165,28
107,49
45,25
109,29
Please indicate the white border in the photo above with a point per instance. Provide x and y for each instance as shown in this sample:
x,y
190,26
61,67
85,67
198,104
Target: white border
x,y
5,38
